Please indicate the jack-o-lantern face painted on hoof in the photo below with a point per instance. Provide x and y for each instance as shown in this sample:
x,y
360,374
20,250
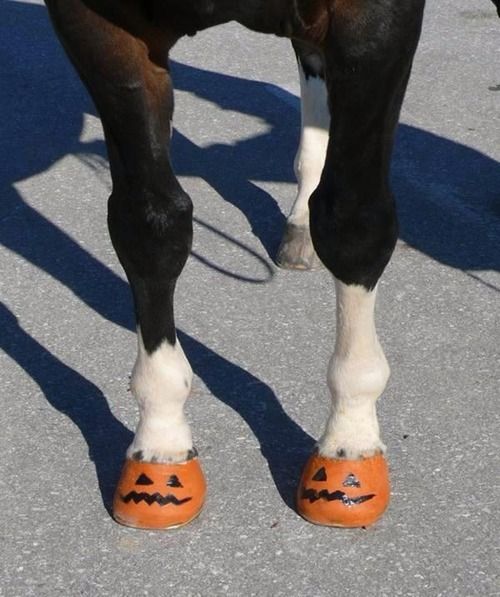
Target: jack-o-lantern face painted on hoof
x,y
159,496
345,493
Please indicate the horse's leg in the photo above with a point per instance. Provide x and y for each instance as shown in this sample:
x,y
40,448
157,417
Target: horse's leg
x,y
354,231
150,223
296,250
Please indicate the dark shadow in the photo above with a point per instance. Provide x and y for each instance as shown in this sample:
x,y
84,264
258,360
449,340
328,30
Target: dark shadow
x,y
74,396
448,202
283,443
448,198
230,168
266,277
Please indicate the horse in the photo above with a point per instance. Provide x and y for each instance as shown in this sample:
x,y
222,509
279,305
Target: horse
x,y
355,59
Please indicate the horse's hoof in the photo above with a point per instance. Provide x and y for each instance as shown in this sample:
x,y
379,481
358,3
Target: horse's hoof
x,y
343,493
159,496
296,250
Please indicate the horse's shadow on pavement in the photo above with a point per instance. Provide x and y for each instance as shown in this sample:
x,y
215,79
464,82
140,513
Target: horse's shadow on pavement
x,y
45,104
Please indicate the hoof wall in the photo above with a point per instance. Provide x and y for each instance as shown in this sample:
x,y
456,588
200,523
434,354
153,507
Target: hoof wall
x,y
296,250
159,496
343,493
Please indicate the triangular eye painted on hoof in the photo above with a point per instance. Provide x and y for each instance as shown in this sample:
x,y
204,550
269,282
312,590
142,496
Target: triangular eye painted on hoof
x,y
320,475
144,480
351,481
173,481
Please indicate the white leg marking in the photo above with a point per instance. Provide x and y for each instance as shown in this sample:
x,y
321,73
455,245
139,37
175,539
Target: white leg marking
x,y
310,157
357,375
161,383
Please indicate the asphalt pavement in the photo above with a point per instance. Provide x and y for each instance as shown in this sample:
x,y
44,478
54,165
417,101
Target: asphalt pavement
x,y
258,337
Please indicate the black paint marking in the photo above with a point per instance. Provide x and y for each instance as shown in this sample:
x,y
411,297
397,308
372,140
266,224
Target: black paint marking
x,y
313,496
151,498
341,453
139,455
144,480
193,453
173,481
351,481
320,475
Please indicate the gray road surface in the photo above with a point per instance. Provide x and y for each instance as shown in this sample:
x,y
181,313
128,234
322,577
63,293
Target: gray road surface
x,y
258,338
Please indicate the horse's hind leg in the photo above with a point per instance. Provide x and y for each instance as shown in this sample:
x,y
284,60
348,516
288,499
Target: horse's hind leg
x,y
296,250
150,222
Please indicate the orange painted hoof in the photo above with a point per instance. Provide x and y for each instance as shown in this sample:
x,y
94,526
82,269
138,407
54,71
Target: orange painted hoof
x,y
343,493
159,496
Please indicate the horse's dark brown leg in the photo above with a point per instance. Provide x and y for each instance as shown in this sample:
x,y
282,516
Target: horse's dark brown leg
x,y
150,222
354,231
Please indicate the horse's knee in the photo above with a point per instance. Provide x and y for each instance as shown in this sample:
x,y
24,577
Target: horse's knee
x,y
152,235
355,242
151,232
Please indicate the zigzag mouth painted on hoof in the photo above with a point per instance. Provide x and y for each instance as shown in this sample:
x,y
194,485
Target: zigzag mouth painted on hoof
x,y
153,498
313,496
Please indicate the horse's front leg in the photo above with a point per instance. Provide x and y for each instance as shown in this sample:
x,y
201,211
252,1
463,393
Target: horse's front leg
x,y
150,223
354,231
296,250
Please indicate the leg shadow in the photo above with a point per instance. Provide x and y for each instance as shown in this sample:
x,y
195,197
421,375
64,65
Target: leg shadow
x,y
36,239
216,165
448,198
230,168
283,443
74,396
